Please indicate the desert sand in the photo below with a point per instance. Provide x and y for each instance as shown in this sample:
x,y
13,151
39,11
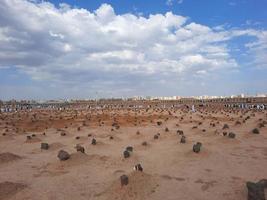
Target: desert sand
x,y
171,170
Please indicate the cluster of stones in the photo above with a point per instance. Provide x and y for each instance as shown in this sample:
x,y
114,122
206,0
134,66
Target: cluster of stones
x,y
127,152
124,179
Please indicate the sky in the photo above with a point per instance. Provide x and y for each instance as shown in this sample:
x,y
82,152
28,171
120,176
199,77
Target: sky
x,y
80,49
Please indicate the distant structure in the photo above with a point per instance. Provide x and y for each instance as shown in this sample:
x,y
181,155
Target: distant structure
x,y
194,103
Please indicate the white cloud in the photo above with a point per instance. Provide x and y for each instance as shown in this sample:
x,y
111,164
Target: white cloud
x,y
170,2
77,46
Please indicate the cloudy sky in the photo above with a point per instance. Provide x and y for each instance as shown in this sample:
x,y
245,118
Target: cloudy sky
x,y
118,48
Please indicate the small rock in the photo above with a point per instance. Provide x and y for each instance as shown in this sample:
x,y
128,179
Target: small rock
x,y
261,125
156,137
124,180
63,155
126,154
111,138
93,141
138,167
80,148
224,133
144,143
77,137
129,148
29,137
63,134
256,190
225,126
182,139
237,122
196,147
159,123
231,135
255,131
44,146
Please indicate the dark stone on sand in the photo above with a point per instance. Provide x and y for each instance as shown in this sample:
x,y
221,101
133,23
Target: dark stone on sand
x,y
77,137
180,132
225,126
248,117
144,143
29,137
182,139
224,133
129,148
255,131
111,138
156,137
138,167
237,122
80,148
93,141
62,133
256,190
45,146
166,129
124,180
126,154
159,123
196,147
63,155
231,135
261,125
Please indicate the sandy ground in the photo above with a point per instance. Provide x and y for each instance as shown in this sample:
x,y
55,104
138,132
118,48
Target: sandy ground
x,y
171,169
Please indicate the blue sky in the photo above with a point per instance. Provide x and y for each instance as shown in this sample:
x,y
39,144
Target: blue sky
x,y
235,13
87,49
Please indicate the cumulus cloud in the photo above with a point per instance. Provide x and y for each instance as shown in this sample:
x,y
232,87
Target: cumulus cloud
x,y
170,2
71,46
